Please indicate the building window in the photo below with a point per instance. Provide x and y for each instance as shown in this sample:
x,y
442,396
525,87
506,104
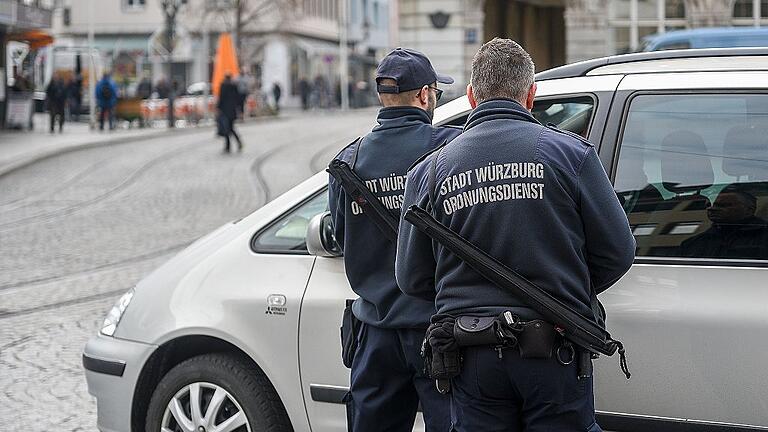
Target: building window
x,y
674,9
632,20
134,4
744,13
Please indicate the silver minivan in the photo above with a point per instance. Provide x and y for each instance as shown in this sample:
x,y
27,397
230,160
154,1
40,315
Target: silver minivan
x,y
240,331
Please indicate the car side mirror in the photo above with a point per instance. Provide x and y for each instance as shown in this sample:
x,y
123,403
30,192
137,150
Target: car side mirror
x,y
320,240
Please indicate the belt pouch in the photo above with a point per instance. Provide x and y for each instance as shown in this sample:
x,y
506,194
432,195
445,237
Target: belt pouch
x,y
472,331
537,340
350,328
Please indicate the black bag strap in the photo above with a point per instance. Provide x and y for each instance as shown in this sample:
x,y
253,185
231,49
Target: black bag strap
x,y
358,192
432,180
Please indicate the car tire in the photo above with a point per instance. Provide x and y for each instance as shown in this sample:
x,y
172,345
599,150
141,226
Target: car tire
x,y
242,385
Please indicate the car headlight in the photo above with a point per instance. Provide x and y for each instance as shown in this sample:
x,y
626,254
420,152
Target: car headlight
x,y
116,313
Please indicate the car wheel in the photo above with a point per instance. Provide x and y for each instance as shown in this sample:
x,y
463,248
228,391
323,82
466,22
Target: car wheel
x,y
216,393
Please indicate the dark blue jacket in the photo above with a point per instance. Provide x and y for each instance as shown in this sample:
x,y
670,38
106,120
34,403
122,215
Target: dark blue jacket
x,y
101,101
403,134
535,198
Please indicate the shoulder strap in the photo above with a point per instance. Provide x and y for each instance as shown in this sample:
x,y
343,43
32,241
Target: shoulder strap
x,y
355,151
431,180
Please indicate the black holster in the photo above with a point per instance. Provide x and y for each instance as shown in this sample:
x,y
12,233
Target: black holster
x,y
442,359
350,328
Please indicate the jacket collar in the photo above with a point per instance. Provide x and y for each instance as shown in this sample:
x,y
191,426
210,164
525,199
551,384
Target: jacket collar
x,y
401,116
495,109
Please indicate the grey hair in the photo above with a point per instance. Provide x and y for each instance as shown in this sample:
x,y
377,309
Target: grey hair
x,y
501,69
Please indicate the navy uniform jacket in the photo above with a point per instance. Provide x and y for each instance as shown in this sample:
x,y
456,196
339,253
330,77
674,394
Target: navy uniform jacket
x,y
403,134
533,197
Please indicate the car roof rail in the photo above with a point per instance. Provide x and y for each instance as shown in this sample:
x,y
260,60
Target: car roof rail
x,y
584,67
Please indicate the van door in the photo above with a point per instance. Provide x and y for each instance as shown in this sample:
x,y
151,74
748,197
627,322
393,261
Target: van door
x,y
690,166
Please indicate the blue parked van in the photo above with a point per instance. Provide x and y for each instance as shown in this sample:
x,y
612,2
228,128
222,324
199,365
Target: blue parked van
x,y
722,37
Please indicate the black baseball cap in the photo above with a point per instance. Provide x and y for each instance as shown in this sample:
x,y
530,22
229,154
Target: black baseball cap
x,y
410,69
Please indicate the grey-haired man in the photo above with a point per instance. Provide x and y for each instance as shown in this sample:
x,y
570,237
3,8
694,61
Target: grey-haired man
x,y
538,200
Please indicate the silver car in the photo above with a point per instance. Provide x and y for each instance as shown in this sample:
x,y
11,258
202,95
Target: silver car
x,y
240,331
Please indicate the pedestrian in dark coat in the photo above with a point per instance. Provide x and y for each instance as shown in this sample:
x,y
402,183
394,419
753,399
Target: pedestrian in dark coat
x,y
56,95
276,93
229,101
305,88
75,97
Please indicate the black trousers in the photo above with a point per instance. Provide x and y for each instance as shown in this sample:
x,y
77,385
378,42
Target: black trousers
x,y
106,112
56,111
231,132
387,384
512,394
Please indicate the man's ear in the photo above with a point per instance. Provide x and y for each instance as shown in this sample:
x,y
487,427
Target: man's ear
x,y
423,96
471,96
529,99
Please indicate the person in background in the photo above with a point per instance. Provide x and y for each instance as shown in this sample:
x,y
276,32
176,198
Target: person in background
x,y
56,95
229,101
162,88
106,99
244,86
144,89
276,93
75,97
305,88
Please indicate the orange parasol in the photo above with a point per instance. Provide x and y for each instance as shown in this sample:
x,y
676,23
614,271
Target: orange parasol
x,y
35,38
225,62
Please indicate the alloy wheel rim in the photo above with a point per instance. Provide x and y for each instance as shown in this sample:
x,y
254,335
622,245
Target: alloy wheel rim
x,y
204,407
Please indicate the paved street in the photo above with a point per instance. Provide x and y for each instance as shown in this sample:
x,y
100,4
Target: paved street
x,y
79,229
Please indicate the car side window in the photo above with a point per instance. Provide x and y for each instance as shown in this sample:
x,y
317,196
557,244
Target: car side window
x,y
692,175
288,233
573,114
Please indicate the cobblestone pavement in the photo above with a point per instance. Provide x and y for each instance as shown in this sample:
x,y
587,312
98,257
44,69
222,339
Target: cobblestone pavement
x,y
78,230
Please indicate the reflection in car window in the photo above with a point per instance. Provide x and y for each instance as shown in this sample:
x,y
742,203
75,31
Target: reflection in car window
x,y
288,234
693,175
572,114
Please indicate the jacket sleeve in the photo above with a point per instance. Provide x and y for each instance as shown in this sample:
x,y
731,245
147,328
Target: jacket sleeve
x,y
610,246
415,261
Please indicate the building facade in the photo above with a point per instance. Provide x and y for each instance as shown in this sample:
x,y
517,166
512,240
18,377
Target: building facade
x,y
285,43
556,32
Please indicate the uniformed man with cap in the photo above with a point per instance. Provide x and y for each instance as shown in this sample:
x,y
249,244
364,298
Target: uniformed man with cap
x,y
538,200
387,384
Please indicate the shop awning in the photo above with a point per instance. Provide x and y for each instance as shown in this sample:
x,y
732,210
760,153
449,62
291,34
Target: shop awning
x,y
35,38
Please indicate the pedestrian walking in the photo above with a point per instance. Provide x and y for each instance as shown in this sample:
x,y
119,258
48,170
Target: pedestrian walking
x,y
305,89
106,99
536,199
276,93
387,384
229,100
144,89
75,97
56,96
244,85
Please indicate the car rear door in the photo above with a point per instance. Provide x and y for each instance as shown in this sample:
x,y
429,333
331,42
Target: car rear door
x,y
578,104
689,157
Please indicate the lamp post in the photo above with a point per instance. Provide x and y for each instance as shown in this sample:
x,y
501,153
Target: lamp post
x,y
170,10
343,56
91,69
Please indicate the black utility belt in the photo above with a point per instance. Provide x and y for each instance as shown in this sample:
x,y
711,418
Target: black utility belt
x,y
534,338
